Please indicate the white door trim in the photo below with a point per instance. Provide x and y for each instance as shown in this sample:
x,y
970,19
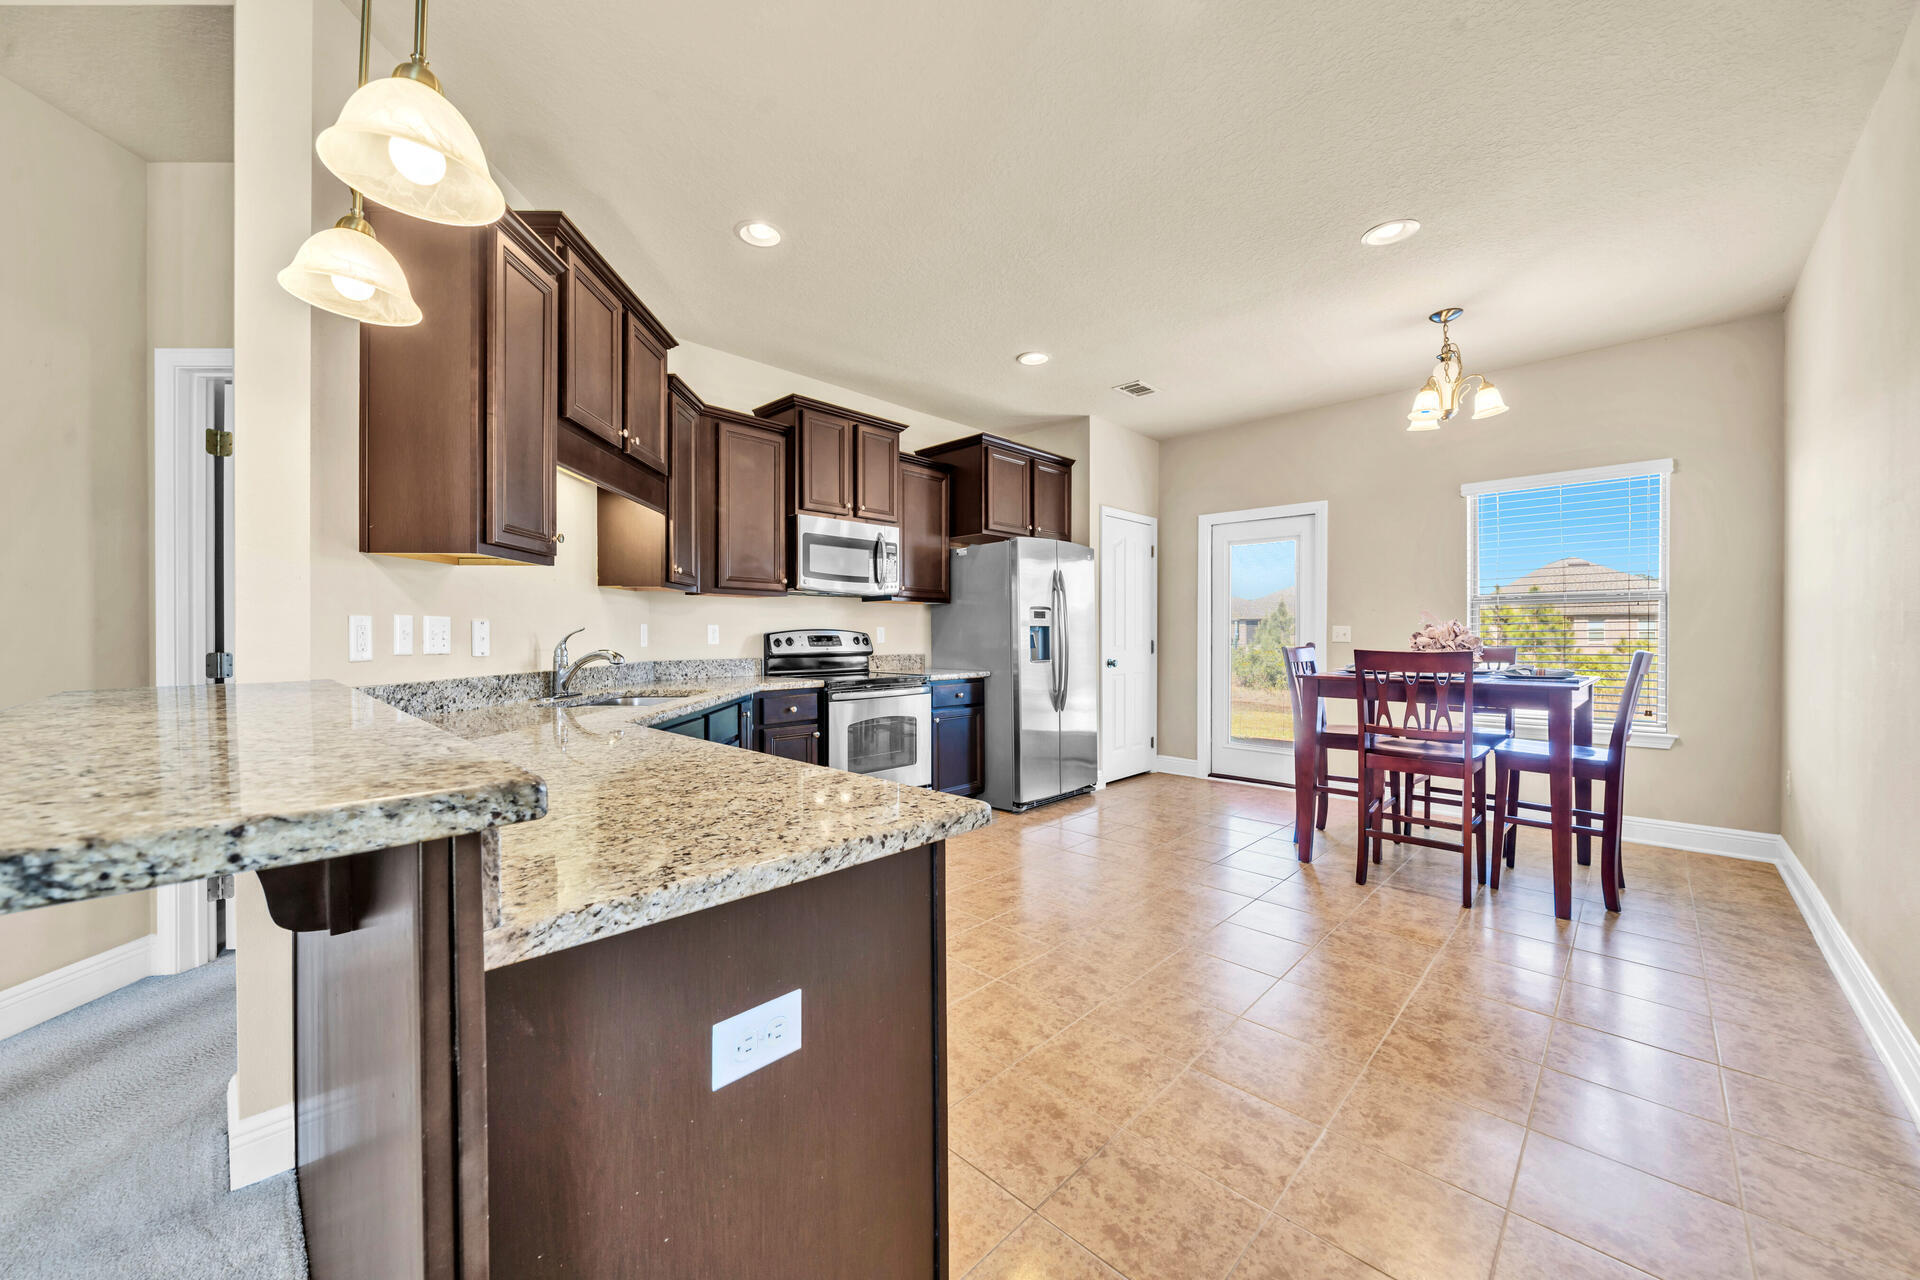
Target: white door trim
x,y
1153,612
185,379
1203,582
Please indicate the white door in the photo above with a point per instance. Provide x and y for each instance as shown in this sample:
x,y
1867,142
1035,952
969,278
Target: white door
x,y
1129,560
1264,593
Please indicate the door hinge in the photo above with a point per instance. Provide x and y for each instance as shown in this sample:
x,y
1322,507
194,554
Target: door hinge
x,y
220,443
220,888
1153,553
1153,646
219,666
1153,744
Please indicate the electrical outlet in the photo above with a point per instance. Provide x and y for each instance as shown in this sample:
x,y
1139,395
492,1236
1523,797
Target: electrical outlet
x,y
713,633
439,635
360,638
749,1041
402,634
1343,635
481,639
879,635
643,635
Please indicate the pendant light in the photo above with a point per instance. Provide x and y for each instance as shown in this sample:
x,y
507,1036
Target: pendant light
x,y
343,269
400,141
1447,388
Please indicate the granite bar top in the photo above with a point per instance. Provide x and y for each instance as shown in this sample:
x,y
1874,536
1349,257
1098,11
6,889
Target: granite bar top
x,y
112,791
644,825
940,675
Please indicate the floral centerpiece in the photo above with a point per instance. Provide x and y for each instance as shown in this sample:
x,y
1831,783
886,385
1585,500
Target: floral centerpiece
x,y
1450,635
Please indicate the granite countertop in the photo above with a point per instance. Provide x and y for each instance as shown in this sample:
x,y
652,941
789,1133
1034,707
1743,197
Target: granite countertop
x,y
117,790
942,674
644,825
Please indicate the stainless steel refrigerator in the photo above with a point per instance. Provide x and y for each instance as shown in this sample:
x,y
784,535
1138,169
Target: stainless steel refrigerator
x,y
1023,611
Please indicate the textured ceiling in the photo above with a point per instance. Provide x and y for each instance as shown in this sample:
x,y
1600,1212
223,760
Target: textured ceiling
x,y
1173,190
157,79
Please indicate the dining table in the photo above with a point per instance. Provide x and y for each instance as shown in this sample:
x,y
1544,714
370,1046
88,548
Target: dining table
x,y
1567,704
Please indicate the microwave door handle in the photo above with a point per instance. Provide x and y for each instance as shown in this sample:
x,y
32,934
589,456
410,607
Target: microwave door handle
x,y
876,570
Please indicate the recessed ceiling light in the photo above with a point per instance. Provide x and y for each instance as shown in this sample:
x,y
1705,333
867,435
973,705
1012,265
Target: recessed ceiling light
x,y
1389,232
1033,357
761,235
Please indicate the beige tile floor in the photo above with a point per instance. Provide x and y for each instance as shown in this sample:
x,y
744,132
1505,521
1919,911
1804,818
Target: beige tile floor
x,y
1177,1052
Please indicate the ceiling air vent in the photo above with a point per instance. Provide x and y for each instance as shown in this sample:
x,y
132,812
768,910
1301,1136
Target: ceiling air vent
x,y
1136,389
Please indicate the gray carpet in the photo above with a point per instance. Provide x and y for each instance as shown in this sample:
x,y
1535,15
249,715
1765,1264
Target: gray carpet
x,y
113,1145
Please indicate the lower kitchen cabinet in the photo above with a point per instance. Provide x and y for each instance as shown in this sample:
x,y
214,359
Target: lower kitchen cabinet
x,y
789,723
959,738
730,725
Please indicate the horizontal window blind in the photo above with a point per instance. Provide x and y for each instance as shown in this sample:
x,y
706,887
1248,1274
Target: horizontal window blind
x,y
1572,570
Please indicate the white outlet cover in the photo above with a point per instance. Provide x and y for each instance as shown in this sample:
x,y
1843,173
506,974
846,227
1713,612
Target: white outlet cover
x,y
1342,634
360,638
482,641
402,634
879,635
643,635
438,637
748,1041
713,633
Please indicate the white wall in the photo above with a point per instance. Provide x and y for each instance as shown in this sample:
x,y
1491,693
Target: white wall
x,y
1852,668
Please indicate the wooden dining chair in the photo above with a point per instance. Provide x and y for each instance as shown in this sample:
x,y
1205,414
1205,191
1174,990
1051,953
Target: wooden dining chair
x,y
1433,738
1488,735
1603,764
1303,660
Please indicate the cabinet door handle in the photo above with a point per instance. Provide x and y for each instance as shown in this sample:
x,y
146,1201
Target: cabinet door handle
x,y
792,710
816,733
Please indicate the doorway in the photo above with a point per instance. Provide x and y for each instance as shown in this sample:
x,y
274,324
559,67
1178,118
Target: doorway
x,y
192,593
1264,587
1129,645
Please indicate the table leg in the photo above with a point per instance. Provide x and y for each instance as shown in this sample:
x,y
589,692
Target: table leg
x,y
1582,788
1306,762
1560,778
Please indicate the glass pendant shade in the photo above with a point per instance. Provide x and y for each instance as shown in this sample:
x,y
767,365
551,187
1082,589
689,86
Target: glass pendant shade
x,y
346,271
403,145
1416,422
1427,403
1489,403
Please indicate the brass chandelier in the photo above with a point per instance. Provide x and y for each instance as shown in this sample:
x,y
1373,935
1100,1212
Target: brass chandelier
x,y
1448,389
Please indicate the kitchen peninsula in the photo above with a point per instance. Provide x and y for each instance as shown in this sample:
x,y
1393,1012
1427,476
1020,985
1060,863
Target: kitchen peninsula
x,y
505,1053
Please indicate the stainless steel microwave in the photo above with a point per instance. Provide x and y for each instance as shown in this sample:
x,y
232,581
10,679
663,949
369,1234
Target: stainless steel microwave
x,y
846,557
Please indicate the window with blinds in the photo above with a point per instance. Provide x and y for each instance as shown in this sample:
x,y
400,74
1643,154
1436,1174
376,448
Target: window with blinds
x,y
1572,570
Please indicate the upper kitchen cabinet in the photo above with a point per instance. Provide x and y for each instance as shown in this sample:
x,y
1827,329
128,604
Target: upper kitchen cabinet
x,y
1005,489
924,503
458,414
643,549
743,527
613,371
845,464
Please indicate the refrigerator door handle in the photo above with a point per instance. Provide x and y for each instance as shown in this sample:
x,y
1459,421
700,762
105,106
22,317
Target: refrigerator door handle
x,y
1062,660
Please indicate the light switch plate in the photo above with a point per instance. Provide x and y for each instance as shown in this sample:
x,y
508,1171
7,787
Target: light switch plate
x,y
438,637
402,634
643,635
713,633
1343,635
879,635
482,642
748,1041
360,638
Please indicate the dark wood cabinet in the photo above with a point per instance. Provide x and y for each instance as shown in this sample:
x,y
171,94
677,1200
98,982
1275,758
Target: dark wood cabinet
x,y
641,549
1005,489
846,464
959,738
730,725
744,470
458,414
614,419
791,742
789,725
924,502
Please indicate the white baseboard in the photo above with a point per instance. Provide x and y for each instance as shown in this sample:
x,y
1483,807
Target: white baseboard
x,y
1695,837
1180,766
51,994
1892,1038
257,1146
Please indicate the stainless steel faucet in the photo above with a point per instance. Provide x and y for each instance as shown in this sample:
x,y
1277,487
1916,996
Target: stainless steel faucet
x,y
563,670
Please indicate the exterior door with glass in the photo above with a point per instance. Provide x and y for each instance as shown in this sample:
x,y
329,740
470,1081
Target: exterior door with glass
x,y
1264,595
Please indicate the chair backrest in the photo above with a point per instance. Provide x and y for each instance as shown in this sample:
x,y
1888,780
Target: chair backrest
x,y
1500,655
1629,701
1432,687
1301,661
